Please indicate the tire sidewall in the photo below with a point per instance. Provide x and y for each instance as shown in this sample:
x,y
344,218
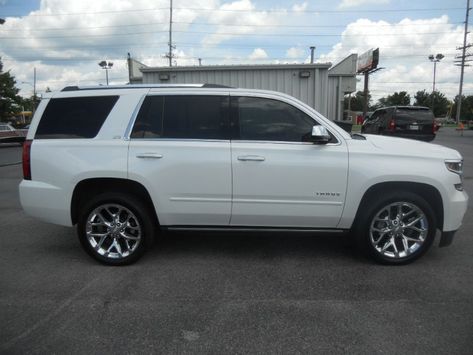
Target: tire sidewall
x,y
374,206
131,203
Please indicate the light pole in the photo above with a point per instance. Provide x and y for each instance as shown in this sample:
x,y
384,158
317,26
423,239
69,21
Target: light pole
x,y
435,59
106,65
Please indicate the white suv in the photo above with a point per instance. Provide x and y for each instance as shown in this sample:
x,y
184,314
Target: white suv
x,y
122,163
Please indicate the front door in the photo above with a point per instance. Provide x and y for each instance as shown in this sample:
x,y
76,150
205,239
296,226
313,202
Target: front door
x,y
278,179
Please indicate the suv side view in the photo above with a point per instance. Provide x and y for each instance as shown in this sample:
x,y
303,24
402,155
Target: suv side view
x,y
123,163
414,122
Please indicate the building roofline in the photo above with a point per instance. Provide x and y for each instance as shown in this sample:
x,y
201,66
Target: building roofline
x,y
238,67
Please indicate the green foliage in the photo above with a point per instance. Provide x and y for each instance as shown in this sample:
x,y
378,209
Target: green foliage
x,y
10,101
466,112
397,99
357,100
441,104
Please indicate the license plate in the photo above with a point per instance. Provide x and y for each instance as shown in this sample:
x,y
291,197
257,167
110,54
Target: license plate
x,y
413,127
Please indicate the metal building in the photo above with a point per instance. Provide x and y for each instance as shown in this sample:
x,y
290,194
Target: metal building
x,y
321,86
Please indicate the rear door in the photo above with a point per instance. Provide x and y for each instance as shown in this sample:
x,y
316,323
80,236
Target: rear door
x,y
280,180
180,151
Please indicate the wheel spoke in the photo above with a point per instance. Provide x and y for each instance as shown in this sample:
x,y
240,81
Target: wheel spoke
x,y
405,244
411,223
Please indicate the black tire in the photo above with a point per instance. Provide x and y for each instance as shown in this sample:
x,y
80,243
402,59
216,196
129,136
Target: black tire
x,y
135,210
366,237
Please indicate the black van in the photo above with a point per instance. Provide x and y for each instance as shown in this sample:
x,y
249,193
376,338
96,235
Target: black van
x,y
414,122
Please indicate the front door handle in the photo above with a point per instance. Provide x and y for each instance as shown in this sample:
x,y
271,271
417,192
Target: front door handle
x,y
250,158
149,156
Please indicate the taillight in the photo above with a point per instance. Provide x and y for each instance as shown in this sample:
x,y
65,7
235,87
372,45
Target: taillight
x,y
392,125
27,159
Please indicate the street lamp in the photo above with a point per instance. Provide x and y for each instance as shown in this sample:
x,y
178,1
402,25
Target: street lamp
x,y
106,65
435,60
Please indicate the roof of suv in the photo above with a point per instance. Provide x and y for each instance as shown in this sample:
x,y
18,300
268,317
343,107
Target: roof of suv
x,y
144,86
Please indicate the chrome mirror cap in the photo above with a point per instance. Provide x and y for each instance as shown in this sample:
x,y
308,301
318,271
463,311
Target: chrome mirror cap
x,y
320,135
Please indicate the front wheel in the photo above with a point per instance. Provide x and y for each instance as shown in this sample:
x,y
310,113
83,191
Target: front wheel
x,y
397,229
115,228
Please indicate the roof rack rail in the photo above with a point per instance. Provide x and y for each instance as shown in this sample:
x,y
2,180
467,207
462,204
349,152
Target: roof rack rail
x,y
144,86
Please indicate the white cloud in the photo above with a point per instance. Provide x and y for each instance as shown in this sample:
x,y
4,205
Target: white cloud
x,y
404,48
299,7
295,52
258,53
238,13
354,3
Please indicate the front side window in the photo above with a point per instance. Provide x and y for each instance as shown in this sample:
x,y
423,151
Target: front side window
x,y
182,116
264,119
74,117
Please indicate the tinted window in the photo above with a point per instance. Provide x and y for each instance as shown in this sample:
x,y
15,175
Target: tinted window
x,y
75,117
272,120
199,117
414,114
149,122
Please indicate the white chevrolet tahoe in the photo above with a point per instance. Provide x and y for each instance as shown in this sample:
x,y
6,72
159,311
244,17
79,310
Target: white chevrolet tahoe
x,y
122,163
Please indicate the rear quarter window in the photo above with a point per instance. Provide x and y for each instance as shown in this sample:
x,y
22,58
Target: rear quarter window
x,y
74,117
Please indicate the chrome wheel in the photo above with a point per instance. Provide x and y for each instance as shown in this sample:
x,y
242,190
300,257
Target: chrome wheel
x,y
113,231
398,230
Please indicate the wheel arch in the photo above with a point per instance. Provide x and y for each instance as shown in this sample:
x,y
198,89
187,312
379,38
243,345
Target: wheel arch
x,y
87,188
426,191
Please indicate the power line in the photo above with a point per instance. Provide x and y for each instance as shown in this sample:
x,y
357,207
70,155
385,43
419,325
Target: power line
x,y
224,25
228,34
243,11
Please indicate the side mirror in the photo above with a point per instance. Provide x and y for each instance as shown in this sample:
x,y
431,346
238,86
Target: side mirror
x,y
320,135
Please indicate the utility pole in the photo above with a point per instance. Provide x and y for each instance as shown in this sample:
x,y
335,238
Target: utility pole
x,y
463,60
169,55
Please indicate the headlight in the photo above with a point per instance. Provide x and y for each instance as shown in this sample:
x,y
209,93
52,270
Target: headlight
x,y
455,166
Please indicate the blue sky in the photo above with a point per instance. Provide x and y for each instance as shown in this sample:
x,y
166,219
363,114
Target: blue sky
x,y
64,40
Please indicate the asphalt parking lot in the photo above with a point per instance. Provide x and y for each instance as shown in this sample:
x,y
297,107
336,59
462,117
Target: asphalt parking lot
x,y
214,293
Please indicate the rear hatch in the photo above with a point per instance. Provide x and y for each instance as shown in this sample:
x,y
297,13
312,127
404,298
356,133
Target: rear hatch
x,y
414,120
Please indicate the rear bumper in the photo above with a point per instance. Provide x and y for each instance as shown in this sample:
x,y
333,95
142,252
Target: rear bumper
x,y
46,202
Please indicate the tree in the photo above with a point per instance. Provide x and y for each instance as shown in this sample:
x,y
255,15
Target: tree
x,y
10,101
440,102
397,99
357,100
466,112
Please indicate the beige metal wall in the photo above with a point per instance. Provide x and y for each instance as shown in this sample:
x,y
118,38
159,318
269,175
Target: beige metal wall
x,y
312,90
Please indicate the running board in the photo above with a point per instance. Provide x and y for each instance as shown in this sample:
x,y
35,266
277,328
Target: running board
x,y
251,229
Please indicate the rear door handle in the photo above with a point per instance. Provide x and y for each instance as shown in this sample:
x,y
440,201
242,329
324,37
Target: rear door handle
x,y
250,158
149,156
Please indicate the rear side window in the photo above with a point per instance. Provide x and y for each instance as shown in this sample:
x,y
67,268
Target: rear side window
x,y
74,117
183,116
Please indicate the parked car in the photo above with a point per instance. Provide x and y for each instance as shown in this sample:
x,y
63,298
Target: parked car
x,y
123,163
8,134
413,122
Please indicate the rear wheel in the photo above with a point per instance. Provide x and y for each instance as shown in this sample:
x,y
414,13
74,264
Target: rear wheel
x,y
397,229
115,228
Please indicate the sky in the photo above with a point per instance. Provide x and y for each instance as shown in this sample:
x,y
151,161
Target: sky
x,y
64,40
